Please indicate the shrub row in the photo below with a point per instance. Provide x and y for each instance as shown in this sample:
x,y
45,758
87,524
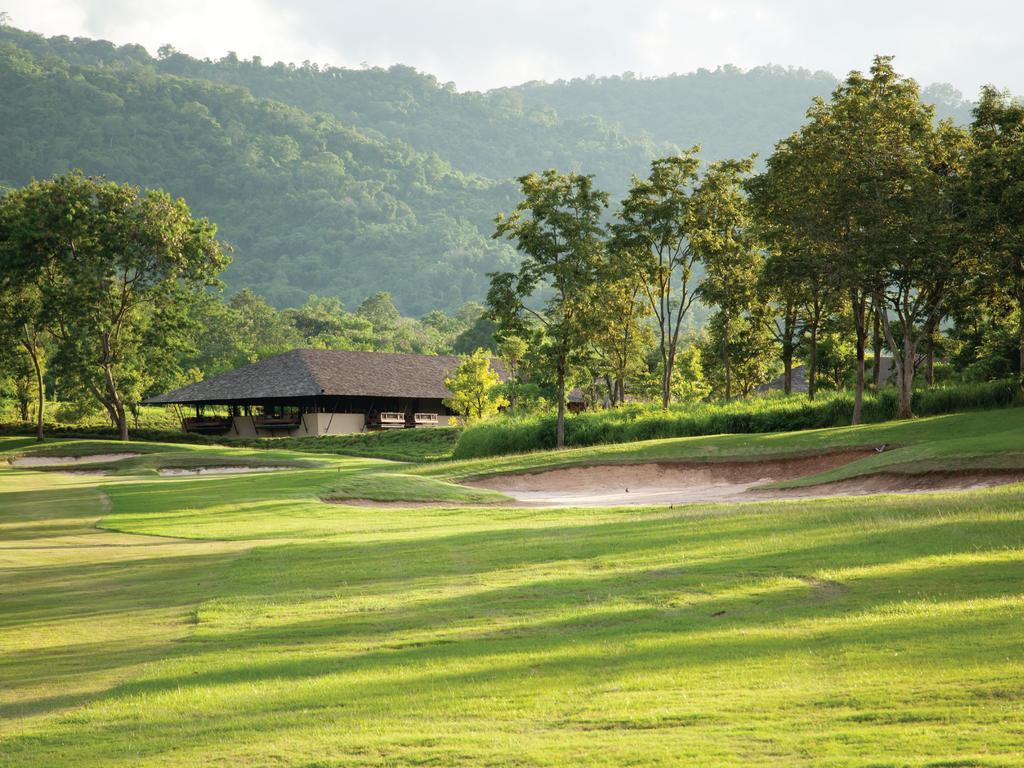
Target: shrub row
x,y
770,413
432,444
21,428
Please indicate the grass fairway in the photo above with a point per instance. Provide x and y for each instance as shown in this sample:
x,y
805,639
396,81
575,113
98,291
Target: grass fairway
x,y
239,620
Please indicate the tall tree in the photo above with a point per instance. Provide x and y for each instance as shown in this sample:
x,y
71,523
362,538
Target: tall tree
x,y
789,213
619,334
781,292
121,269
23,322
723,236
557,229
511,350
878,203
22,331
654,235
927,258
996,168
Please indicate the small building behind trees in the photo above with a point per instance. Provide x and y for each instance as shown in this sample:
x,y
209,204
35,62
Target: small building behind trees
x,y
310,392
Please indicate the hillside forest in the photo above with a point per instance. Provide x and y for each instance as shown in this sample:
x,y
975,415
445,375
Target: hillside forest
x,y
350,182
880,226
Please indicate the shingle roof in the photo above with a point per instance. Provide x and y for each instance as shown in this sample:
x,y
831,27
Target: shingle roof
x,y
314,372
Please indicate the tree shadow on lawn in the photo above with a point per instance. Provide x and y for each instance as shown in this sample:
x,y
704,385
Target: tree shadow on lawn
x,y
700,591
47,593
153,598
398,683
757,591
832,536
721,602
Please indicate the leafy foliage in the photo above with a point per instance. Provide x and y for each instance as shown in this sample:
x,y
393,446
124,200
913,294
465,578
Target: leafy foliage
x,y
509,434
474,387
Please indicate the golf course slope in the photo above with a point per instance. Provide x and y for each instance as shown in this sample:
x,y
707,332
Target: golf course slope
x,y
208,618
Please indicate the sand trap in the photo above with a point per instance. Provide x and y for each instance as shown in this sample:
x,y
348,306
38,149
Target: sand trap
x,y
59,461
169,472
690,483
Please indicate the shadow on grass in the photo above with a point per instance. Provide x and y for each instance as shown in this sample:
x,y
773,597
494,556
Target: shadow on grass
x,y
511,611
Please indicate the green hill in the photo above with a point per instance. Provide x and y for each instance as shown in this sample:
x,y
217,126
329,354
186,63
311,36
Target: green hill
x,y
347,182
728,111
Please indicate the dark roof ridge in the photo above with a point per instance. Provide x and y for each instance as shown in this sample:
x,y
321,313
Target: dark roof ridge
x,y
307,372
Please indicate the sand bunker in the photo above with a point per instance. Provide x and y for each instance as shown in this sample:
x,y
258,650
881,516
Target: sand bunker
x,y
171,472
690,483
61,461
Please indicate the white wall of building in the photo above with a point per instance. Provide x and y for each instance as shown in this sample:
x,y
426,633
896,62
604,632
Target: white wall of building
x,y
313,425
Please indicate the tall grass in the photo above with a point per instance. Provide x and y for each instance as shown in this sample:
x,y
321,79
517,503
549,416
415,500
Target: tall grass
x,y
772,413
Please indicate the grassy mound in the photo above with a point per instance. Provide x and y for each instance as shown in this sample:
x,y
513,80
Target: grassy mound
x,y
631,423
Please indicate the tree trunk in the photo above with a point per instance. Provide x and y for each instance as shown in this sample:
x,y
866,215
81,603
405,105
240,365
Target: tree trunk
x,y
122,421
929,360
876,344
903,361
858,305
788,345
669,370
23,408
666,380
115,405
1020,336
41,398
727,362
33,352
560,424
858,392
665,347
812,364
904,409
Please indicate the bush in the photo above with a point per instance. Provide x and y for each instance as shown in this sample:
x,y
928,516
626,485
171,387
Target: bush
x,y
104,433
769,413
433,444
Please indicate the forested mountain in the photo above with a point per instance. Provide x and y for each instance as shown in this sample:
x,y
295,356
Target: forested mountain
x,y
728,111
347,182
311,205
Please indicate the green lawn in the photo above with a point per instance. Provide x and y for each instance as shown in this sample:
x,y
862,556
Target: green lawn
x,y
240,620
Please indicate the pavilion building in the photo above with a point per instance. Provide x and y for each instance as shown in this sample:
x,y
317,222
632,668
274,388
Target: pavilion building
x,y
309,392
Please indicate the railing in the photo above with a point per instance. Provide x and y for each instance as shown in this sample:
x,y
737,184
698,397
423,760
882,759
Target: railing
x,y
206,425
277,422
425,419
392,420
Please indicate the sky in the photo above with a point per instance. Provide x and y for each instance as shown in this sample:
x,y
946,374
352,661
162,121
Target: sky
x,y
481,44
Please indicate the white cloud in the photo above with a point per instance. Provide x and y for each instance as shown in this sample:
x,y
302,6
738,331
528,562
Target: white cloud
x,y
487,43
